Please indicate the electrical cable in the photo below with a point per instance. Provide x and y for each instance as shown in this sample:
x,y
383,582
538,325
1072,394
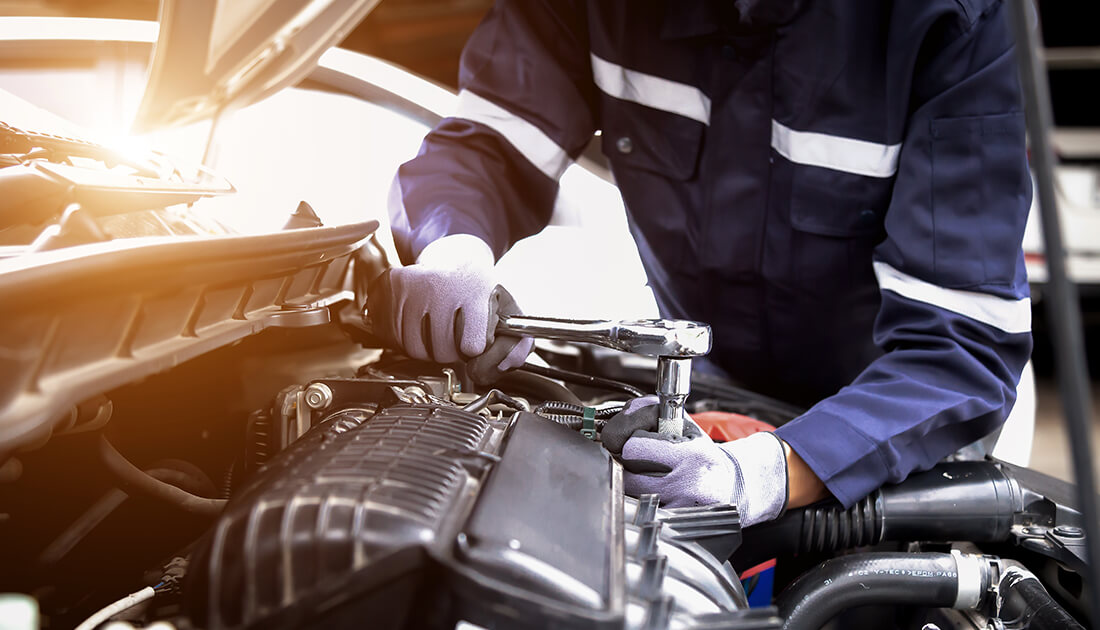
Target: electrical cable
x,y
573,422
1062,301
561,407
110,610
133,480
582,379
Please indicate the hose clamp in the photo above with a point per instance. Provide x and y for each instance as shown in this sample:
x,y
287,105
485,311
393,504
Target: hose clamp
x,y
970,569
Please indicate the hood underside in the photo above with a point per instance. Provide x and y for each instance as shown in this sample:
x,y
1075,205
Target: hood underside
x,y
216,54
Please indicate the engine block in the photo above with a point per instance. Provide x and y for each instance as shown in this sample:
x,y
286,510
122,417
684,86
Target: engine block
x,y
422,516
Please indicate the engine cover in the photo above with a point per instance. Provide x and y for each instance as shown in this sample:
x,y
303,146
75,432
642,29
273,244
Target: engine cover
x,y
427,516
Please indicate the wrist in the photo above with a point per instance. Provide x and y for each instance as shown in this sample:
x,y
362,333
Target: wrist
x,y
761,489
803,485
456,250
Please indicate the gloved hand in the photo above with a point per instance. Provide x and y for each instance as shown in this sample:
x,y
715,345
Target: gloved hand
x,y
693,470
445,308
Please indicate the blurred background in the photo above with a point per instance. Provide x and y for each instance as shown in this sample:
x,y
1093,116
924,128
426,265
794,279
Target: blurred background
x,y
340,154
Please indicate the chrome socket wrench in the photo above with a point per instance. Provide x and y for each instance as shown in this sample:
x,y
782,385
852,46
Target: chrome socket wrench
x,y
674,343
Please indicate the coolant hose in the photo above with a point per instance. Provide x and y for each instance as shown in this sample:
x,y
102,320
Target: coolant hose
x,y
1023,602
935,580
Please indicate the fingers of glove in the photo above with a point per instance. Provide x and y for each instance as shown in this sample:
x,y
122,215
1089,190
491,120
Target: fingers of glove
x,y
441,336
644,467
690,484
486,368
648,446
637,484
517,355
637,404
414,319
640,414
461,301
501,304
441,313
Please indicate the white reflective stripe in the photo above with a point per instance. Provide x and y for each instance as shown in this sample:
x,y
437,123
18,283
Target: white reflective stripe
x,y
1011,316
652,91
838,153
536,146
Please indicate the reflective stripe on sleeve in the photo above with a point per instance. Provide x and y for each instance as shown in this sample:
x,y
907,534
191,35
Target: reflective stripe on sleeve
x,y
529,140
835,152
1008,315
652,91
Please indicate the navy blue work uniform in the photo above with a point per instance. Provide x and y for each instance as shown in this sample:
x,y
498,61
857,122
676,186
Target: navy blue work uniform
x,y
839,187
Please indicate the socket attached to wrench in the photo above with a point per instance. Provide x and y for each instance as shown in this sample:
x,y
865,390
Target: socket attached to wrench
x,y
674,342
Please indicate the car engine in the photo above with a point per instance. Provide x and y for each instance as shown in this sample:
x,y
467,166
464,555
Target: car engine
x,y
394,493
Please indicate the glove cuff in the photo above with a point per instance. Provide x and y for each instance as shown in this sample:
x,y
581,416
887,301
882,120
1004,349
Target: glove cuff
x,y
761,463
456,250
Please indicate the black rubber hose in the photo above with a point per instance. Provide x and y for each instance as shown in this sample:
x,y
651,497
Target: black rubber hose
x,y
815,528
1022,602
583,379
133,481
922,579
536,387
973,501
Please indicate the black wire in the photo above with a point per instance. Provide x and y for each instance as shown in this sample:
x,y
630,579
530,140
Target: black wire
x,y
1061,298
582,379
561,407
573,422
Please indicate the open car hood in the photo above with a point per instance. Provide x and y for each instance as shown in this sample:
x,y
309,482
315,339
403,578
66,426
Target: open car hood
x,y
215,54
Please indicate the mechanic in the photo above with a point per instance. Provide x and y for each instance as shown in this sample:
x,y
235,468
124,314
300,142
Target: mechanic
x,y
839,188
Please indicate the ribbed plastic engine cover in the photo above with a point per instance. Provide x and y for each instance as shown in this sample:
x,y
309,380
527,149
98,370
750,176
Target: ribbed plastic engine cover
x,y
425,516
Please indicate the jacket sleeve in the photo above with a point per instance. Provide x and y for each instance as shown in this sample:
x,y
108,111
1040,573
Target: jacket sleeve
x,y
524,113
955,316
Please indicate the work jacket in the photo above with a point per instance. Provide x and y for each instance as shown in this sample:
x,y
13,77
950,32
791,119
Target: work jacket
x,y
838,187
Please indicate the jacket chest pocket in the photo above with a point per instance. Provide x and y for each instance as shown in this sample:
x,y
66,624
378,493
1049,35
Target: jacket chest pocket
x,y
836,221
650,140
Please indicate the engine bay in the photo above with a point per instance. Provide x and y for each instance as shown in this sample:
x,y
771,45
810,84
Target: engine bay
x,y
304,478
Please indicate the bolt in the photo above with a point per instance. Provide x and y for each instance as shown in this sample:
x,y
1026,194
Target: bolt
x,y
1068,531
318,396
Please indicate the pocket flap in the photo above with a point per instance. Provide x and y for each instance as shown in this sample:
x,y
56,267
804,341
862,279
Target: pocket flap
x,y
635,136
842,205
